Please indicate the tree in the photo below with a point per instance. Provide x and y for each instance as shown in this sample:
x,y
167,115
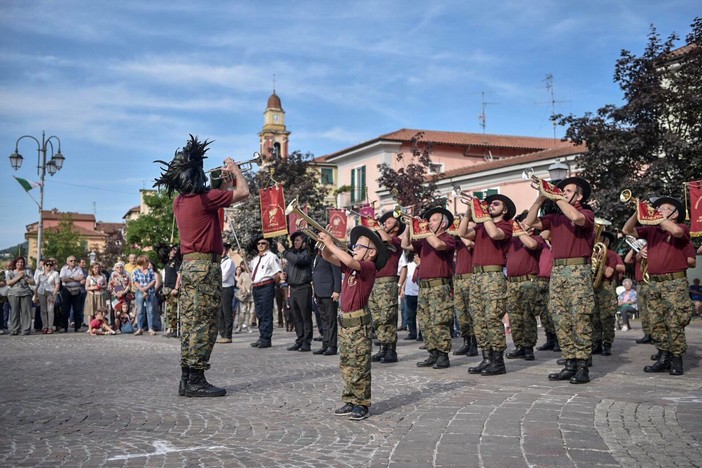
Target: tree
x,y
298,181
155,227
64,241
114,248
409,184
652,143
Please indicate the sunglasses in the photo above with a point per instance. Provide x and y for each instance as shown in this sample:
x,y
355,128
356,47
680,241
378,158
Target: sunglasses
x,y
263,243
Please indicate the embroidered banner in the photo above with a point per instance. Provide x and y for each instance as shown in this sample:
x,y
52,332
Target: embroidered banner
x,y
338,221
695,208
273,211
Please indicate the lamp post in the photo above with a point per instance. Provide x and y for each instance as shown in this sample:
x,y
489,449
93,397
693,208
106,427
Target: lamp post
x,y
43,166
92,256
558,170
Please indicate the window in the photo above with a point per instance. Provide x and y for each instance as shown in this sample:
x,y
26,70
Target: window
x,y
436,168
484,194
358,184
327,176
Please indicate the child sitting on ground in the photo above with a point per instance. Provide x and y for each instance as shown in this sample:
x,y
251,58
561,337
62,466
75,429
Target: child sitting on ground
x,y
124,322
98,326
369,254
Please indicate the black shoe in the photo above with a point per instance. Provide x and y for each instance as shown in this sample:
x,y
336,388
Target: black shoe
x,y
518,353
582,373
561,361
184,377
305,348
566,373
463,350
319,338
295,347
661,365
256,344
676,365
606,349
431,360
556,347
198,386
344,410
497,365
657,356
487,357
381,352
359,413
264,344
319,351
597,348
529,353
645,340
473,350
390,354
550,342
330,351
442,361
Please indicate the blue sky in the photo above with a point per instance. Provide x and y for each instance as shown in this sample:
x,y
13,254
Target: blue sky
x,y
123,83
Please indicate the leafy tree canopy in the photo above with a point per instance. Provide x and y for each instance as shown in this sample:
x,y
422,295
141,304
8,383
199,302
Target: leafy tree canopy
x,y
63,242
652,142
155,227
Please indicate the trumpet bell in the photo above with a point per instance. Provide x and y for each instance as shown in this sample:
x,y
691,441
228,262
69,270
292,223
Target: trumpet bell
x,y
625,196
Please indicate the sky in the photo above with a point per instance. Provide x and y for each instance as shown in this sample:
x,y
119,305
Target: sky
x,y
122,84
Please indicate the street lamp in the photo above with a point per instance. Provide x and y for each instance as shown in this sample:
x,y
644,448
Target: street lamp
x,y
93,256
558,170
43,166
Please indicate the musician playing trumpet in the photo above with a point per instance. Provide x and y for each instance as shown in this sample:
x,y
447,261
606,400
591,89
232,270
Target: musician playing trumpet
x,y
571,295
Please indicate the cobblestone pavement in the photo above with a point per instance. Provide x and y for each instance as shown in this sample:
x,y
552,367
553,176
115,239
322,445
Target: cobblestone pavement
x,y
79,400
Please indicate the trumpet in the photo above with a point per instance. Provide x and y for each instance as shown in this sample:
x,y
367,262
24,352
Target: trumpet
x,y
546,188
528,174
464,195
627,198
638,245
221,173
400,213
313,227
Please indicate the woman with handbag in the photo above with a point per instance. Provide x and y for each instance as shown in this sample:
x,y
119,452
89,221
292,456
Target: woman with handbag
x,y
19,279
96,287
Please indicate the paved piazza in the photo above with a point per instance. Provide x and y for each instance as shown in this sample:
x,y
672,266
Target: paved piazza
x,y
79,400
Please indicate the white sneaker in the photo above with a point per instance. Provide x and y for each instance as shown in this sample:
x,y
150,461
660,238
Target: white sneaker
x,y
625,328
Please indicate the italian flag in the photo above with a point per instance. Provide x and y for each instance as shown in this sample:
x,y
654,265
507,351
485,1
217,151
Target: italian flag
x,y
26,184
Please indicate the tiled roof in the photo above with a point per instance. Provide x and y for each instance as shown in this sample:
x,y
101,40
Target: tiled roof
x,y
53,214
523,159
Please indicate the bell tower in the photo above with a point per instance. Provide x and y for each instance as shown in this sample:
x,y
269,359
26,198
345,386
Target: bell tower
x,y
274,135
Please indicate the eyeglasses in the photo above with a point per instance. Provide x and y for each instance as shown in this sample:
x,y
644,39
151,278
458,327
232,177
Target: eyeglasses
x,y
71,260
262,243
357,246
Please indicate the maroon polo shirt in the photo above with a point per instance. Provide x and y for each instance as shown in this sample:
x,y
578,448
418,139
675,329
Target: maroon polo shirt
x,y
488,251
521,260
390,268
613,259
464,258
666,254
357,286
567,239
435,263
637,271
198,220
545,262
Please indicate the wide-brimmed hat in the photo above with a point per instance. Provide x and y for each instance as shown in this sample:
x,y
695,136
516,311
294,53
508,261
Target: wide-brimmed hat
x,y
401,225
443,211
511,209
671,201
580,182
381,257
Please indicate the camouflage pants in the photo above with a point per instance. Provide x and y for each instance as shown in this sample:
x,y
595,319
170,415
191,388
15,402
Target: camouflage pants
x,y
461,302
522,301
435,316
488,304
542,306
200,301
642,302
604,315
670,311
571,300
171,306
355,349
383,306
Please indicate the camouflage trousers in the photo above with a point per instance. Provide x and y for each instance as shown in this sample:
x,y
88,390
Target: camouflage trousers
x,y
200,301
435,316
642,302
488,304
522,302
604,314
171,305
670,311
542,309
383,306
461,302
571,300
355,347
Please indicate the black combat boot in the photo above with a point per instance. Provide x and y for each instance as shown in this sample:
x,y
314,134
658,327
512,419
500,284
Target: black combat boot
x,y
377,356
199,387
442,361
463,350
473,350
676,365
662,364
657,356
487,357
497,364
529,353
518,353
556,346
184,376
566,373
582,373
606,349
597,347
390,353
431,360
550,342
645,340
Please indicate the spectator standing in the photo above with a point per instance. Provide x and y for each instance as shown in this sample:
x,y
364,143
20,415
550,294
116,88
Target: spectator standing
x,y
326,282
266,270
226,314
243,282
20,280
96,287
144,281
119,285
71,276
80,318
410,293
171,287
48,287
299,273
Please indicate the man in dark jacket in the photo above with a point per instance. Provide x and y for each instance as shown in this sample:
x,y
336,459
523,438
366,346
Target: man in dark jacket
x,y
326,279
299,272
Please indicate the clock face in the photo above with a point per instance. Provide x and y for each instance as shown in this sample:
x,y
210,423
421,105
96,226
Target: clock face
x,y
275,117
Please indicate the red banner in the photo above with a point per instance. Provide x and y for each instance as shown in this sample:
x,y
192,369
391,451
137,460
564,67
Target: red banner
x,y
517,229
479,210
338,222
273,211
550,191
453,229
419,229
367,213
647,214
294,219
695,208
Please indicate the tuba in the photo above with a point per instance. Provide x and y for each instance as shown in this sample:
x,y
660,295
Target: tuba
x,y
312,227
599,252
638,245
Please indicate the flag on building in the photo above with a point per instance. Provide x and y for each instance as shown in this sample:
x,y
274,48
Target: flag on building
x,y
26,184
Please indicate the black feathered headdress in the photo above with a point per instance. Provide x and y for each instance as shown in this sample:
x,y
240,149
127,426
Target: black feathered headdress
x,y
185,173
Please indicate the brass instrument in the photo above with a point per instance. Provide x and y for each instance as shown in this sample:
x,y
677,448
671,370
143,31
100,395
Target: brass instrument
x,y
599,252
313,227
638,245
627,198
400,213
546,188
465,196
221,173
528,174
